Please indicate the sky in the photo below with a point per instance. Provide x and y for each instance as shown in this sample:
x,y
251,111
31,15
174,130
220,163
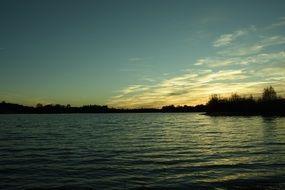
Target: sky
x,y
139,53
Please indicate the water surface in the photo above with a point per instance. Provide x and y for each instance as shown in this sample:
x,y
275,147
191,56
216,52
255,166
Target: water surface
x,y
141,151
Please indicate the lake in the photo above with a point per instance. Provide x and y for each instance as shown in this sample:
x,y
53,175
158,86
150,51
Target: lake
x,y
141,151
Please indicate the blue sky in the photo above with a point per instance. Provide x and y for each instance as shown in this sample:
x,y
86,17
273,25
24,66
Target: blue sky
x,y
134,53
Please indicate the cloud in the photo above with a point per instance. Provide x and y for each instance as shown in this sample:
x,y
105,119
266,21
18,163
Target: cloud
x,y
140,59
272,40
270,58
271,73
215,62
242,51
191,88
133,89
135,59
227,39
225,75
192,95
279,23
148,79
250,49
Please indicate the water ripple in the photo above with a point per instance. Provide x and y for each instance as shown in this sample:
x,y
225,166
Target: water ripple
x,y
141,151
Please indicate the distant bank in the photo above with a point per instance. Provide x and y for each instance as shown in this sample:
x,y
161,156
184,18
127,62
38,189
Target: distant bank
x,y
269,104
11,108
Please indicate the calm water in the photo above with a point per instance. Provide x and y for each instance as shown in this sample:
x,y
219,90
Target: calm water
x,y
140,151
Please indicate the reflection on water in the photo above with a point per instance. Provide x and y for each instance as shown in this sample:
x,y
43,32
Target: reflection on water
x,y
132,151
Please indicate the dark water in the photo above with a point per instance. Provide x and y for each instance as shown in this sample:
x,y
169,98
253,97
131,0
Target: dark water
x,y
141,151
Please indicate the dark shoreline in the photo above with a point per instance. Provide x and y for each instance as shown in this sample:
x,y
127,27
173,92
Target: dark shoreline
x,y
270,109
268,105
12,108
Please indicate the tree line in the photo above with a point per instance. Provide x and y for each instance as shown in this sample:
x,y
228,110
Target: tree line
x,y
268,104
9,108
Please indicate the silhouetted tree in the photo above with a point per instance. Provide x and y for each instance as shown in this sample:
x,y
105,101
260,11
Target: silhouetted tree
x,y
269,94
39,105
235,97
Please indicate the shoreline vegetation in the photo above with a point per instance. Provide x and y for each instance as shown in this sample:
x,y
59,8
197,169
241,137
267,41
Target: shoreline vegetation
x,y
269,104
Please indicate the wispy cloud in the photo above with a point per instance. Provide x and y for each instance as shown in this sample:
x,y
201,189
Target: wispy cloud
x,y
215,62
264,58
241,50
272,40
140,59
195,87
132,89
279,23
225,75
227,39
148,79
250,49
135,59
190,88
